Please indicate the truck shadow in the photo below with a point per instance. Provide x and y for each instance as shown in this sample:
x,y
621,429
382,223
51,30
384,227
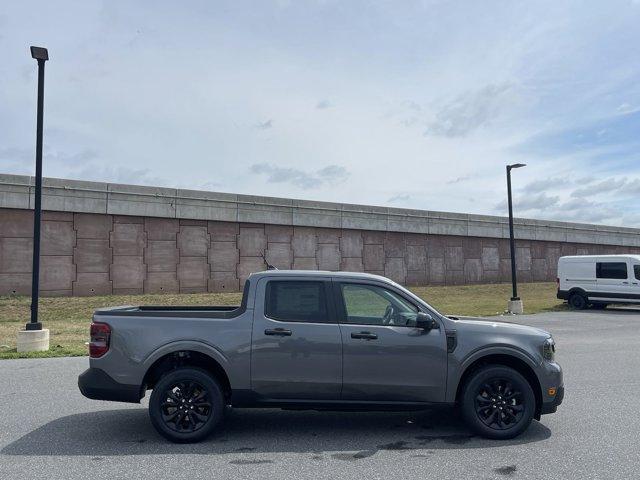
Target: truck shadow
x,y
129,432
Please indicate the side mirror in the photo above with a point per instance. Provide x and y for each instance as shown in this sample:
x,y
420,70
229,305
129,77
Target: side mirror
x,y
425,321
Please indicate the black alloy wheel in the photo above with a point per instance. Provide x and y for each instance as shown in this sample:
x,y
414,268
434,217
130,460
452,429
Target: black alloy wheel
x,y
186,405
499,405
497,402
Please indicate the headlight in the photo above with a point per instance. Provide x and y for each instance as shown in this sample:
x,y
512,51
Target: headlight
x,y
549,349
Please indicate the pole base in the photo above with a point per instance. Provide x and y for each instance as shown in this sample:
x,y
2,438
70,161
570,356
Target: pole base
x,y
33,326
33,340
515,307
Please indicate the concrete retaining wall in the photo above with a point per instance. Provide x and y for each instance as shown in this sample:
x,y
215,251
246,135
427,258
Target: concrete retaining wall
x,y
104,238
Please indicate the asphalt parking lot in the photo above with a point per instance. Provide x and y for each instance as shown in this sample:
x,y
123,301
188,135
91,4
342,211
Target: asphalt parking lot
x,y
47,429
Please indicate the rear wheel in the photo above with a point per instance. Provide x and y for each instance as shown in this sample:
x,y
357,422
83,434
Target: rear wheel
x,y
498,402
577,301
186,405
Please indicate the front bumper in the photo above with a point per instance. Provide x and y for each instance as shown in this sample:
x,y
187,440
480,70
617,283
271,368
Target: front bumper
x,y
551,407
97,384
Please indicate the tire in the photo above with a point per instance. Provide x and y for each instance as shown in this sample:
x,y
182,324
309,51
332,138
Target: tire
x,y
485,389
186,405
577,301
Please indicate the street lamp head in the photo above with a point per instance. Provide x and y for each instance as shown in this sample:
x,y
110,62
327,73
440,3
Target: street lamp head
x,y
516,165
39,53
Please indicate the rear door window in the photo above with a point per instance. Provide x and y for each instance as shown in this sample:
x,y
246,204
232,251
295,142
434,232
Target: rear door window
x,y
636,271
296,301
615,270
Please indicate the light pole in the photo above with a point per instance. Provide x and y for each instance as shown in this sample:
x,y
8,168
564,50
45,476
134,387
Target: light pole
x,y
515,304
34,337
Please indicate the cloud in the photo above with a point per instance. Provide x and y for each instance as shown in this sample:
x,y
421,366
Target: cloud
x,y
330,174
469,111
400,198
606,186
525,203
464,178
265,125
323,104
538,186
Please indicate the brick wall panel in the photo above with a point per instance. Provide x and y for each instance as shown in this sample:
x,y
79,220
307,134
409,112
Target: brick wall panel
x,y
224,282
373,257
128,274
57,238
223,231
128,239
193,274
90,225
416,257
161,256
394,245
193,241
224,257
351,244
16,255
252,242
57,274
304,242
161,282
280,255
92,256
328,235
88,284
16,223
161,228
329,257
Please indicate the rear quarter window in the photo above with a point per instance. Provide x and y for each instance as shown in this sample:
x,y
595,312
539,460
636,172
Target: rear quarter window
x,y
296,301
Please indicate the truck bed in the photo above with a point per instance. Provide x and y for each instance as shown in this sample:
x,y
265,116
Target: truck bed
x,y
186,311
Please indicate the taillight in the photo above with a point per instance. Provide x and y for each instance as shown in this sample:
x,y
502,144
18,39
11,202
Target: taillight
x,y
558,282
100,336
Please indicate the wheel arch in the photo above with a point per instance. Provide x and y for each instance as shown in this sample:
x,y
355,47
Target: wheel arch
x,y
187,355
515,361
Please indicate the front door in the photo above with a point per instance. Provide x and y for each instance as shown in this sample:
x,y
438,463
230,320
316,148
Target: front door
x,y
385,357
296,350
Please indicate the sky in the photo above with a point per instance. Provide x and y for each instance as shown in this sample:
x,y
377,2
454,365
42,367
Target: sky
x,y
410,104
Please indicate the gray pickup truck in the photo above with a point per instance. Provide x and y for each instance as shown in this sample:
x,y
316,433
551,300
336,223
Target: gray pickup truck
x,y
320,340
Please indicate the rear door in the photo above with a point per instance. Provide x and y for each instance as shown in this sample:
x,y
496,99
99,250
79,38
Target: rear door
x,y
296,350
385,357
612,279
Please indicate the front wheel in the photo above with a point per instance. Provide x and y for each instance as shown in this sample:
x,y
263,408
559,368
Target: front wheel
x,y
498,402
186,405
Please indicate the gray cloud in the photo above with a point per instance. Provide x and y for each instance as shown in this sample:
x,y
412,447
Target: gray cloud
x,y
323,104
525,203
330,174
401,197
606,186
468,111
538,186
459,180
265,125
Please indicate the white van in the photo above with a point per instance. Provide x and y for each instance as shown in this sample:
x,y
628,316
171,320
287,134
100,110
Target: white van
x,y
597,280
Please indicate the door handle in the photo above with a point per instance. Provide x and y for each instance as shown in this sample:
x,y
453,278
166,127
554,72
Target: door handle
x,y
278,332
625,283
365,335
